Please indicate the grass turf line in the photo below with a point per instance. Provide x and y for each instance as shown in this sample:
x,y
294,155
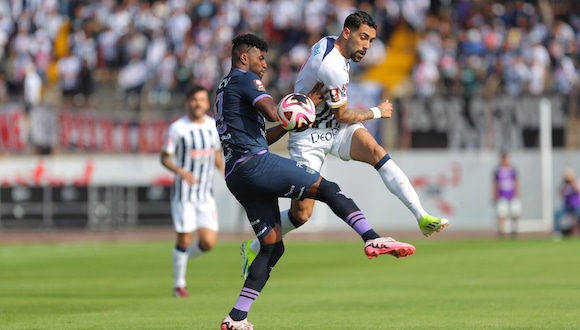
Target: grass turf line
x,y
459,284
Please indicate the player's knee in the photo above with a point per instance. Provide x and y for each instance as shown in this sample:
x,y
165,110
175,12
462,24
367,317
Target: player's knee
x,y
299,216
326,190
206,245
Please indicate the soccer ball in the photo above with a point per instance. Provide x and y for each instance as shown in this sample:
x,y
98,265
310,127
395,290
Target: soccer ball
x,y
296,112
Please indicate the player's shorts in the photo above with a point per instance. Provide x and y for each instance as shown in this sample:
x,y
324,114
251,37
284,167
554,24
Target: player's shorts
x,y
312,145
191,216
508,207
261,179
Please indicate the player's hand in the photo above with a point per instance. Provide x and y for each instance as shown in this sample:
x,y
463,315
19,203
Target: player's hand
x,y
317,95
187,176
386,109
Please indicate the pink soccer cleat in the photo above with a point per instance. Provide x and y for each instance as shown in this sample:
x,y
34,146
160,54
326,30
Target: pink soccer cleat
x,y
180,293
387,245
229,324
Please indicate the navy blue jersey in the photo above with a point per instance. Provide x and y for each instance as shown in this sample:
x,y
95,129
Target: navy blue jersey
x,y
242,128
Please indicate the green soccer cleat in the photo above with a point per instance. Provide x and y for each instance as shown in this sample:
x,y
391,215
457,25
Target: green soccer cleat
x,y
248,257
429,224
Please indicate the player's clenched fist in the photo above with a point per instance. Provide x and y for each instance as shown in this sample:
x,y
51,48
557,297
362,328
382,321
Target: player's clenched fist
x,y
386,109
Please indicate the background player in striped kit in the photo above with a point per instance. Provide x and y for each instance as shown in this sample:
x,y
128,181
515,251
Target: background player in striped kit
x,y
191,150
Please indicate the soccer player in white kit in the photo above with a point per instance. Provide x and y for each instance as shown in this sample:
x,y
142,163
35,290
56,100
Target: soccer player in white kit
x,y
338,130
192,150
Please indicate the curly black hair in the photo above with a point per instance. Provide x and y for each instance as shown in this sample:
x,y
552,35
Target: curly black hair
x,y
249,40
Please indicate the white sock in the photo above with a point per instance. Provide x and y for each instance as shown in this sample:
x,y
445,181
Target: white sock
x,y
286,224
179,268
400,186
193,250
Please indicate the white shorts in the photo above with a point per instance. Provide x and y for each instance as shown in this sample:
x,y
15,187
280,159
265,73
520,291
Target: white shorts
x,y
190,216
312,145
508,207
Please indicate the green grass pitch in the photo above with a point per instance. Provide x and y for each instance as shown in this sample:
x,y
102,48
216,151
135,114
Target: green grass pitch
x,y
528,283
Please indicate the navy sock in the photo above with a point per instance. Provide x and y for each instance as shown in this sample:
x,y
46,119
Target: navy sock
x,y
345,208
371,234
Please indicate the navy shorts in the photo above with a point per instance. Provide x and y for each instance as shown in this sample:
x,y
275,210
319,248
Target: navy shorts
x,y
258,182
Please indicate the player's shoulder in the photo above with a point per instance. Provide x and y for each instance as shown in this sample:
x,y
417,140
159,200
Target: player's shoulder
x,y
179,122
243,75
323,45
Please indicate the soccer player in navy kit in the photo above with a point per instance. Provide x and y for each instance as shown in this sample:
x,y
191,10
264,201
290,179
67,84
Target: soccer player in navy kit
x,y
257,178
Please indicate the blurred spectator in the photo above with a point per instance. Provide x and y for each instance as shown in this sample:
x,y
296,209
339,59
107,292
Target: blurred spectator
x,y
32,88
69,70
85,85
41,50
570,193
178,26
132,78
42,123
539,66
425,77
163,79
109,55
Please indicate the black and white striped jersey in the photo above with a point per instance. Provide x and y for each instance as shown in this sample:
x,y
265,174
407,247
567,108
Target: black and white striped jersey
x,y
193,146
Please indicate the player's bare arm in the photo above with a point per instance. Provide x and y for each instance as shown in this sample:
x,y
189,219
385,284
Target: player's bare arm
x,y
344,114
275,133
167,161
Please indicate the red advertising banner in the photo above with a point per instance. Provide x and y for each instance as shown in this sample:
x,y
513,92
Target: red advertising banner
x,y
12,130
88,132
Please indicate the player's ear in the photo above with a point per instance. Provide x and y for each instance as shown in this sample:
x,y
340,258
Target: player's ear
x,y
345,33
244,58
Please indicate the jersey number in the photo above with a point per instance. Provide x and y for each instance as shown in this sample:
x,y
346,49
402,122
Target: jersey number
x,y
219,116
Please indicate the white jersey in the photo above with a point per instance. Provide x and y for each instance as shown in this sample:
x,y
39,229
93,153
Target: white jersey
x,y
327,65
193,146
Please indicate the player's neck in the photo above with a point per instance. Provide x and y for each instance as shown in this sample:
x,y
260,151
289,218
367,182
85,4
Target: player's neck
x,y
196,120
340,45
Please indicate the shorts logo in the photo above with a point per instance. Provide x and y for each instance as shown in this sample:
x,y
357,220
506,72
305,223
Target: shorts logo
x,y
322,137
259,85
253,223
290,191
307,168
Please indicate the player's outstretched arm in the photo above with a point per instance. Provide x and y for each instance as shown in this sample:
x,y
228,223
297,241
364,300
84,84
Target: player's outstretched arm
x,y
275,133
344,114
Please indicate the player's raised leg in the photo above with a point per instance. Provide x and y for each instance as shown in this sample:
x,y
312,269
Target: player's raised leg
x,y
364,147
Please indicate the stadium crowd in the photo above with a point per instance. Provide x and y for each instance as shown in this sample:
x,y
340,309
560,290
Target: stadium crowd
x,y
463,47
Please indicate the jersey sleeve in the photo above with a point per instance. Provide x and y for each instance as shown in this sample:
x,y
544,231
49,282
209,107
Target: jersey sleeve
x,y
252,87
336,81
